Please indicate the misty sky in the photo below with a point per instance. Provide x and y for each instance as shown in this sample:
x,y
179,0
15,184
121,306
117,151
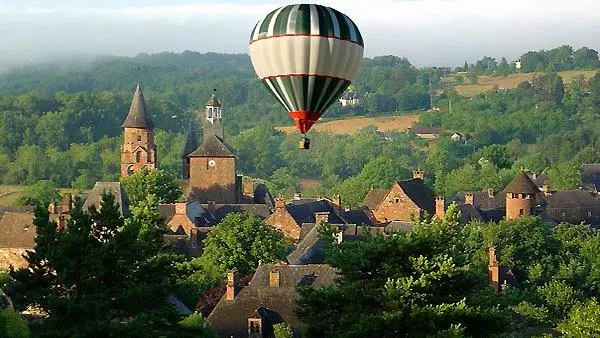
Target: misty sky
x,y
428,32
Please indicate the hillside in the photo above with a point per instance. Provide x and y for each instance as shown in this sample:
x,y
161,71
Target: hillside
x,y
352,125
485,83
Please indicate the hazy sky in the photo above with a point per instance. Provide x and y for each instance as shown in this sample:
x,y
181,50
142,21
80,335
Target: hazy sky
x,y
428,32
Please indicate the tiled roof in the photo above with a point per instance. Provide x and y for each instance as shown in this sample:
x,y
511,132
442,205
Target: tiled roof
x,y
94,197
273,304
375,197
213,145
360,216
426,130
574,206
138,112
522,184
213,102
17,230
303,211
590,174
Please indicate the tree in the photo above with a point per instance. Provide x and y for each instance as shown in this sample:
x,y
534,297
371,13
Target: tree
x,y
412,285
564,176
41,193
12,325
240,242
583,321
283,182
100,275
282,330
151,182
196,326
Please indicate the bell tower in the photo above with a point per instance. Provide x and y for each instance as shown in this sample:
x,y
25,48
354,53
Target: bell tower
x,y
138,149
212,114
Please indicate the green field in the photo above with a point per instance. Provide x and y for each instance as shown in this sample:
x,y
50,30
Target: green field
x,y
10,193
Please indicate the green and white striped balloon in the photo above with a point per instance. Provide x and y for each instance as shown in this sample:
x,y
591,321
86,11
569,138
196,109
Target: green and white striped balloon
x,y
306,55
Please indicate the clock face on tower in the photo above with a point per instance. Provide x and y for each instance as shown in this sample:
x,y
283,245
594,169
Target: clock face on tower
x,y
212,163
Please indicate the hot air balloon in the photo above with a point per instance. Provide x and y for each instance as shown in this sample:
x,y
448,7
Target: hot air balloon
x,y
306,55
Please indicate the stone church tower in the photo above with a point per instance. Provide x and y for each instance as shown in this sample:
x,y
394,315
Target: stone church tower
x,y
211,167
138,149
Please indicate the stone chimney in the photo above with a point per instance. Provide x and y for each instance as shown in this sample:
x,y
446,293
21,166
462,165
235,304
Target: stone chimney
x,y
274,279
419,174
279,203
232,285
337,200
534,176
322,217
53,208
440,207
211,207
490,192
547,191
469,198
180,208
493,270
297,196
67,203
62,222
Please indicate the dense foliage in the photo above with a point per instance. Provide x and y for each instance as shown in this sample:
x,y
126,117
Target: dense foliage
x,y
100,275
432,282
157,183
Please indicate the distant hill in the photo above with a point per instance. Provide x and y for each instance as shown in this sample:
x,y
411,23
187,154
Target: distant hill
x,y
352,125
485,83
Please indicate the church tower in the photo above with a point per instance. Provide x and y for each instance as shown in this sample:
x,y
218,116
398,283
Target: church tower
x,y
138,149
191,144
212,166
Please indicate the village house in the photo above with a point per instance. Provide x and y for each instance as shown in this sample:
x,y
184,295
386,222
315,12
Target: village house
x,y
428,133
269,299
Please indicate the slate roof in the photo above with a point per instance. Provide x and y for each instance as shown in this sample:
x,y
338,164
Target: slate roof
x,y
191,140
138,112
521,184
360,216
375,197
94,197
222,210
419,193
426,130
303,211
273,304
17,230
213,146
574,206
590,174
539,179
213,102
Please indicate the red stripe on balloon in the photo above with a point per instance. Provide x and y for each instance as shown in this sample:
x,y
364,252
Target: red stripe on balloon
x,y
304,119
309,35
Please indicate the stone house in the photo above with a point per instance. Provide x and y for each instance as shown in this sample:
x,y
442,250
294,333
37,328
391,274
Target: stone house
x,y
269,299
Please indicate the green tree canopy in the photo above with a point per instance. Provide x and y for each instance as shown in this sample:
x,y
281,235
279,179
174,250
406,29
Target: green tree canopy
x,y
41,193
151,182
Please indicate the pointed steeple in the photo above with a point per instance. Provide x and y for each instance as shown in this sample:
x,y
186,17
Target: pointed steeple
x,y
213,102
138,112
191,140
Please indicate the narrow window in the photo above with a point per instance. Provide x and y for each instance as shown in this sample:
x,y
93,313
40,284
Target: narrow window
x,y
521,212
254,327
139,138
138,157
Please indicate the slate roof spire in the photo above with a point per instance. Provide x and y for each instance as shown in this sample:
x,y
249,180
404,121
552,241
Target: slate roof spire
x,y
138,112
522,184
213,102
191,140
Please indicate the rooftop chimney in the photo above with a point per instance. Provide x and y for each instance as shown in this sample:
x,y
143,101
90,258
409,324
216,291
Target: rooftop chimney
x,y
211,207
297,196
337,200
469,198
274,279
53,208
419,174
232,285
180,208
322,217
440,208
546,190
279,203
67,203
490,193
493,270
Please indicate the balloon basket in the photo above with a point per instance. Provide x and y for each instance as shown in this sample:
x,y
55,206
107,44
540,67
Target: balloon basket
x,y
304,143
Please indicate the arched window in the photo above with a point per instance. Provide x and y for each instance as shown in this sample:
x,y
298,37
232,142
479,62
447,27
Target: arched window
x,y
139,138
138,157
130,170
210,113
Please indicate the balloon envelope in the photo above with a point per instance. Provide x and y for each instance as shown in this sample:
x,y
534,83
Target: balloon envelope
x,y
306,55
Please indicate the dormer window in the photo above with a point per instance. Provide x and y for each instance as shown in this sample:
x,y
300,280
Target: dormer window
x,y
254,327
